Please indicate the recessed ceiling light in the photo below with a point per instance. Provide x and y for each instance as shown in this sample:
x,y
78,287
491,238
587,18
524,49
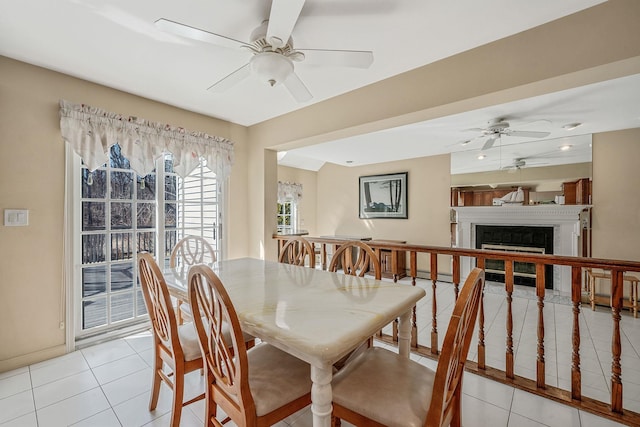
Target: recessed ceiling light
x,y
566,147
482,156
349,162
465,142
571,126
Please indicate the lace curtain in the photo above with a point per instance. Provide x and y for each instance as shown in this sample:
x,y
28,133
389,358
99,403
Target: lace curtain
x,y
289,191
92,132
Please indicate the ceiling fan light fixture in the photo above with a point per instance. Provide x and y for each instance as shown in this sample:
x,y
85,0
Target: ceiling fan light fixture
x,y
271,67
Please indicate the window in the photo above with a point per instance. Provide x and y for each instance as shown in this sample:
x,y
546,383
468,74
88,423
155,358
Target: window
x,y
287,217
123,214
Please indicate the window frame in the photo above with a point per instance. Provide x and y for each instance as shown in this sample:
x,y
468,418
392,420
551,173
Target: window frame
x,y
73,233
293,217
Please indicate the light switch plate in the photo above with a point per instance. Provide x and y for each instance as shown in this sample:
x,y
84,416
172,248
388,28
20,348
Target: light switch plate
x,y
16,217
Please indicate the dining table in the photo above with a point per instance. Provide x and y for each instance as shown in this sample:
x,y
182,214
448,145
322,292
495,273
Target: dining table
x,y
315,315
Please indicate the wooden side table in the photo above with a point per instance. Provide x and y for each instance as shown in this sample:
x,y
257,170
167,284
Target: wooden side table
x,y
631,303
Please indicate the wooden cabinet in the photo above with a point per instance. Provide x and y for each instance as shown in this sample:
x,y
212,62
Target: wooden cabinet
x,y
577,192
386,260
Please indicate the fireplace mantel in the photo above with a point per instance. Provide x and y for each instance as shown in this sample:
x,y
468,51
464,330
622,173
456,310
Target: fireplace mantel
x,y
566,221
530,215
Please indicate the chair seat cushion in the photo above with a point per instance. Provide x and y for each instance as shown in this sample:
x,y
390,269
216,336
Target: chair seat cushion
x,y
187,315
385,387
185,311
189,339
276,378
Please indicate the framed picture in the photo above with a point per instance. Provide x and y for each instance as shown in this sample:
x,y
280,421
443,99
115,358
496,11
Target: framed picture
x,y
384,196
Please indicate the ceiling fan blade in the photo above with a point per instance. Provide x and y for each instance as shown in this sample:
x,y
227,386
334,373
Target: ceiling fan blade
x,y
489,142
282,18
231,80
297,89
529,134
341,58
197,34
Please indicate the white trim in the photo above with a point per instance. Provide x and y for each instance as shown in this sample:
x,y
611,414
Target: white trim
x,y
69,270
160,214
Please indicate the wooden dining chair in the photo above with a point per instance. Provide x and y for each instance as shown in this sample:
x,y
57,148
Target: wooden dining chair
x,y
356,265
365,258
192,250
255,387
174,346
296,251
382,388
188,251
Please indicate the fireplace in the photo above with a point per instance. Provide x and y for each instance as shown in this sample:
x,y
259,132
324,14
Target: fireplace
x,y
569,224
510,238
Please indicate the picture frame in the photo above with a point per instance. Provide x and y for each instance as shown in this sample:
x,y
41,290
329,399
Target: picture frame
x,y
384,196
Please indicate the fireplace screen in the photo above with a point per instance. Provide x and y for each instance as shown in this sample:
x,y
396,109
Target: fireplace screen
x,y
527,239
520,269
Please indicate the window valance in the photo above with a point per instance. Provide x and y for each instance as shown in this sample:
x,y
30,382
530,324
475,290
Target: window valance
x,y
289,191
92,131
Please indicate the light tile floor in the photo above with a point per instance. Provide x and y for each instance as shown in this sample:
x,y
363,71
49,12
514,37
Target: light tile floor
x,y
109,384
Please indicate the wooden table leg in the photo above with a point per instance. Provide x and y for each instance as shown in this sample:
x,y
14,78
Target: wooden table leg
x,y
592,292
634,298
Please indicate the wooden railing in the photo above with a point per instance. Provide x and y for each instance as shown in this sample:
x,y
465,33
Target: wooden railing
x,y
612,409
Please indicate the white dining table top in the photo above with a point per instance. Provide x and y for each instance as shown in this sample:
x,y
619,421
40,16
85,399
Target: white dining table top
x,y
312,314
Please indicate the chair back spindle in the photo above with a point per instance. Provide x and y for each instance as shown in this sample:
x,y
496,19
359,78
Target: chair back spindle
x,y
365,259
296,251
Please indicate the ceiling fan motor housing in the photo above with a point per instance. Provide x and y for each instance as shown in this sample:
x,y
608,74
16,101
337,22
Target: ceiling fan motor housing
x,y
498,127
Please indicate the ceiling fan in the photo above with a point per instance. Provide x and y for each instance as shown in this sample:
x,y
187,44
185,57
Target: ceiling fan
x,y
272,50
522,162
500,127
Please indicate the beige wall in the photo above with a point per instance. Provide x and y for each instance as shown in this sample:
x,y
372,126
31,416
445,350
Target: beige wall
x,y
32,163
616,195
307,205
428,202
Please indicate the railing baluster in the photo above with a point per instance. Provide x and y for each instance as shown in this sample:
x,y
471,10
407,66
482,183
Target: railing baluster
x,y
576,296
540,290
434,308
616,345
413,266
456,275
323,256
508,279
481,348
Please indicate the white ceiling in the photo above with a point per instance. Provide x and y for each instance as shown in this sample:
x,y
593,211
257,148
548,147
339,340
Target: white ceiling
x,y
607,106
115,43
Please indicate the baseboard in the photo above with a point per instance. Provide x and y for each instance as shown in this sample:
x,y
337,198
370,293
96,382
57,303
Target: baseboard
x,y
31,358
